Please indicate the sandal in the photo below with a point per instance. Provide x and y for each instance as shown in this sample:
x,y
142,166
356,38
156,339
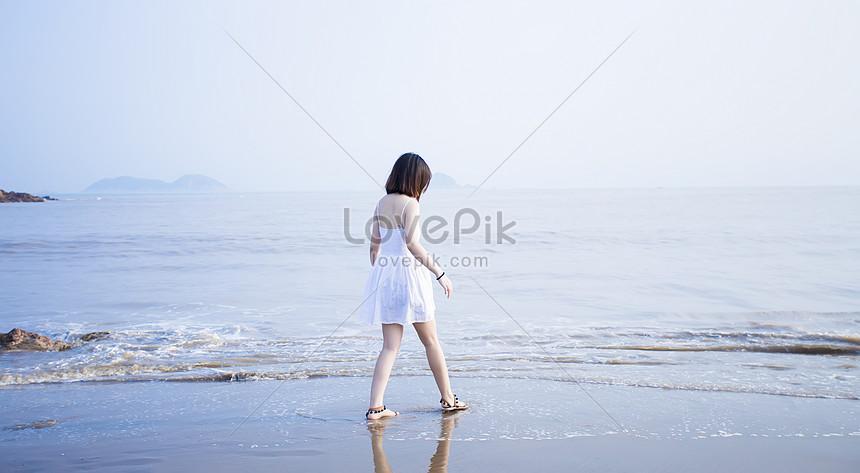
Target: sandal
x,y
456,407
377,411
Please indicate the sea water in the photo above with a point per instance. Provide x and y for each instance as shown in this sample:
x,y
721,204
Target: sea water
x,y
741,290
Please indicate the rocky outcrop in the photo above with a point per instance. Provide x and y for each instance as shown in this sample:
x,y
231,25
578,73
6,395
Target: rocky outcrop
x,y
19,197
19,339
39,424
91,337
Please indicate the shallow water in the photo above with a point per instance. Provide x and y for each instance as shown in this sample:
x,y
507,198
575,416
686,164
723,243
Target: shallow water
x,y
738,290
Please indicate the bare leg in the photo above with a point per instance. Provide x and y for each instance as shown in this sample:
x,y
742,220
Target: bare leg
x,y
435,357
391,336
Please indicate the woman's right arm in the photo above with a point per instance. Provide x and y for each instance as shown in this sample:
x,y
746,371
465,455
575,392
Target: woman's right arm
x,y
375,240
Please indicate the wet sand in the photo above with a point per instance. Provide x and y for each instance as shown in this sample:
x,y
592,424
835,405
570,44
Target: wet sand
x,y
513,425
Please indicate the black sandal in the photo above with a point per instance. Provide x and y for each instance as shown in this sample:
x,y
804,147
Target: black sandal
x,y
377,411
449,407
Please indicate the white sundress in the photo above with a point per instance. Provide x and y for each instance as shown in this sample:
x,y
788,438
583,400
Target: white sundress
x,y
399,289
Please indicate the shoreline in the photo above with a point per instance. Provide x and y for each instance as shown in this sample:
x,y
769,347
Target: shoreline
x,y
512,425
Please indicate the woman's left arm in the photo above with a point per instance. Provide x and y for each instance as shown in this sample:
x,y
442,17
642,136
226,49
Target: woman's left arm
x,y
412,243
419,252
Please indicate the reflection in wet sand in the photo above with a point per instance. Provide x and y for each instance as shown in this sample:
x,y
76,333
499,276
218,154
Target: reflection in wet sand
x,y
377,429
439,460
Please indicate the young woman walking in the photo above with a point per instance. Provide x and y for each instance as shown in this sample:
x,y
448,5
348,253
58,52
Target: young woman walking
x,y
399,291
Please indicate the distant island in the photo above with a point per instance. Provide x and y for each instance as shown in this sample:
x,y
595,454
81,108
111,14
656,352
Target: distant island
x,y
444,181
21,197
188,183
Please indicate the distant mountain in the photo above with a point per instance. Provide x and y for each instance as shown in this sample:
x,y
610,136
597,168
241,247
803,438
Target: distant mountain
x,y
196,183
134,185
128,184
444,181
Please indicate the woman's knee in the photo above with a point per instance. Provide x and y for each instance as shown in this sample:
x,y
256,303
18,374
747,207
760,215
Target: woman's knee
x,y
391,336
427,333
392,346
430,341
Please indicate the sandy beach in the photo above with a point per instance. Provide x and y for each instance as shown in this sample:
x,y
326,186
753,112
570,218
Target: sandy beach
x,y
513,425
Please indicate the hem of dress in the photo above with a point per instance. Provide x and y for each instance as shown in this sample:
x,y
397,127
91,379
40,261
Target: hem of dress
x,y
399,323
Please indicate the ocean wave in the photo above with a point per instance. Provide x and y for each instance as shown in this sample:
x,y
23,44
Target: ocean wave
x,y
797,349
780,359
181,374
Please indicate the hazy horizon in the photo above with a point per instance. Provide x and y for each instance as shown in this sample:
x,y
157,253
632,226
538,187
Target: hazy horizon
x,y
704,94
464,188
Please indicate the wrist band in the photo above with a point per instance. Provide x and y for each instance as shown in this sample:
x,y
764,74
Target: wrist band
x,y
440,276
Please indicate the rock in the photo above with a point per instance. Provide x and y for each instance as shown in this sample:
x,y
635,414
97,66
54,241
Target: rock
x,y
18,339
94,336
39,424
18,197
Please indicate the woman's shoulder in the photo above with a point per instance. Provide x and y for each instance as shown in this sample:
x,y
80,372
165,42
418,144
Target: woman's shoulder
x,y
395,197
411,207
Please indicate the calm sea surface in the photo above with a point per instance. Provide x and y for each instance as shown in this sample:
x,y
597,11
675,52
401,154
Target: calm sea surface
x,y
747,290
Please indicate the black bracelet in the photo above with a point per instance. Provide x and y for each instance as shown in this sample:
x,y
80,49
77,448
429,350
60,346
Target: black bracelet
x,y
440,276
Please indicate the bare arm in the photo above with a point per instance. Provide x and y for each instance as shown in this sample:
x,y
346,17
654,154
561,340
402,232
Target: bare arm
x,y
375,240
414,246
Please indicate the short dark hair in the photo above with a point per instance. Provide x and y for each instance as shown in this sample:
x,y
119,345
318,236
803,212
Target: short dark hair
x,y
409,176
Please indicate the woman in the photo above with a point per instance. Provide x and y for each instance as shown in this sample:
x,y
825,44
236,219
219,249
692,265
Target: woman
x,y
399,291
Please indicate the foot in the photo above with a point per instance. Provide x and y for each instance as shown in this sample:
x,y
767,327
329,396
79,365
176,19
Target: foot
x,y
375,413
452,404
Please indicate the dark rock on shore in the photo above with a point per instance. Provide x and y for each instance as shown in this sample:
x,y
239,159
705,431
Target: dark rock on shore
x,y
20,197
91,337
18,339
39,424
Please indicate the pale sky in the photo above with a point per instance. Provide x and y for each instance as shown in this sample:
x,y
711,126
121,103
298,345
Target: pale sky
x,y
719,93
